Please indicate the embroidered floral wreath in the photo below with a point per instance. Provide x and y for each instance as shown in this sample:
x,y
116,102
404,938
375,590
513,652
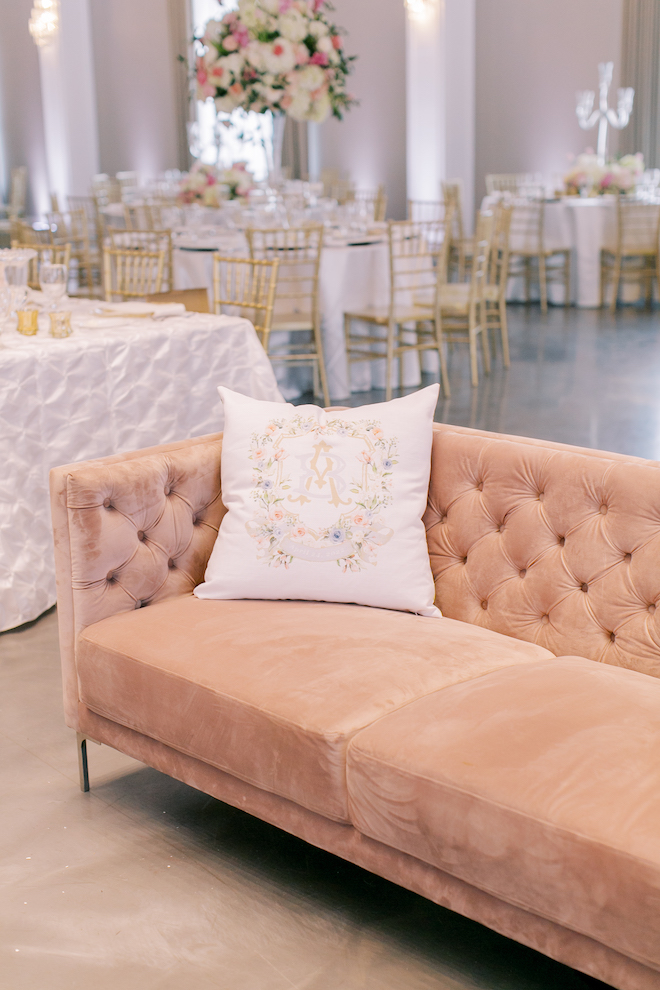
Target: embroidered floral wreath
x,y
353,538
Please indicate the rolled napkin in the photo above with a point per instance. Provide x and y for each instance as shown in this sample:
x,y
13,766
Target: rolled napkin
x,y
141,310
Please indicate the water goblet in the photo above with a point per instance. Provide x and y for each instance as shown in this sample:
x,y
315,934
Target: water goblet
x,y
52,281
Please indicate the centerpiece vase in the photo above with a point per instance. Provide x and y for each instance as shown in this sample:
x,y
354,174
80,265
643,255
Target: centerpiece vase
x,y
276,149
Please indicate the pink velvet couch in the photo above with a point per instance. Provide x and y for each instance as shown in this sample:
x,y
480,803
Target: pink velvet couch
x,y
503,762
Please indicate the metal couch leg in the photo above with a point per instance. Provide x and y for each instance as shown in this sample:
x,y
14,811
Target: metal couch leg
x,y
82,761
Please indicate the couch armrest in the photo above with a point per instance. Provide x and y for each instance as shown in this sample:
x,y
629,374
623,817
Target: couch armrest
x,y
130,530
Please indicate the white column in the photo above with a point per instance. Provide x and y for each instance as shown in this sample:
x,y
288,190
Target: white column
x,y
440,98
69,103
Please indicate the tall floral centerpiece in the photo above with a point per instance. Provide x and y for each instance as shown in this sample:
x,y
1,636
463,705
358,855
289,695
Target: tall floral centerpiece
x,y
589,177
282,56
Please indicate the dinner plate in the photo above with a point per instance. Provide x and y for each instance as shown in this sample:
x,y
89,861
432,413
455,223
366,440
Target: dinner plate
x,y
101,322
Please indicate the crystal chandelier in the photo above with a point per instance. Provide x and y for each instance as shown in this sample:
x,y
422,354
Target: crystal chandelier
x,y
44,21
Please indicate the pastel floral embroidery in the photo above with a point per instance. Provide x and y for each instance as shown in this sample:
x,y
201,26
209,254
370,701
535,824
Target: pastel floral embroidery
x,y
352,539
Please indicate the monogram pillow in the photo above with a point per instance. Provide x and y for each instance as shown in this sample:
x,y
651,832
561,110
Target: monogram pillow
x,y
325,506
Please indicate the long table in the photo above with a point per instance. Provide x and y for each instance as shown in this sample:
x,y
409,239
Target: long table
x,y
99,392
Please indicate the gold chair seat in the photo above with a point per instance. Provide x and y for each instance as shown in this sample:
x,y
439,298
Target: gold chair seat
x,y
416,313
291,322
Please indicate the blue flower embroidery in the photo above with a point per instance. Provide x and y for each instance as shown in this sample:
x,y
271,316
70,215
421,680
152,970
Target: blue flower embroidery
x,y
267,484
336,535
387,464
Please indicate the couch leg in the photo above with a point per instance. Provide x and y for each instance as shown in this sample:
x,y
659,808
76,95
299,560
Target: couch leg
x,y
81,742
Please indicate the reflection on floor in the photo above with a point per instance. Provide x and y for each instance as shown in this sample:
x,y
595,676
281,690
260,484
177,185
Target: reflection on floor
x,y
145,884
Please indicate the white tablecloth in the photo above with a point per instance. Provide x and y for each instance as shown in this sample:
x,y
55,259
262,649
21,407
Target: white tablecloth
x,y
351,277
100,392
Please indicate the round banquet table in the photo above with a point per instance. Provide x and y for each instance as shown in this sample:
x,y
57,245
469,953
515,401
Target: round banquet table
x,y
353,276
126,384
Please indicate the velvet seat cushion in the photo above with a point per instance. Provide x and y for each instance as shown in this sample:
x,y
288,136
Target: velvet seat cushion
x,y
272,692
539,784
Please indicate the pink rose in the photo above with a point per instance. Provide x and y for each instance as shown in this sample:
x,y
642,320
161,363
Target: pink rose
x,y
299,531
336,42
230,43
276,515
360,520
365,456
278,455
236,89
319,58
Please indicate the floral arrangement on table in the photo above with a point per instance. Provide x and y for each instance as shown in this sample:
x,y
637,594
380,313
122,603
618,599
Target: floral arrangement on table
x,y
206,186
352,539
285,56
588,176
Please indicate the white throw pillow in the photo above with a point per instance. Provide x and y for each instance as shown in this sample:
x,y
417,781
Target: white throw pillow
x,y
325,506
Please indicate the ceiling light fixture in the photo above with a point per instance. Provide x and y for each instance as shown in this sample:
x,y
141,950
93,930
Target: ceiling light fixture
x,y
44,21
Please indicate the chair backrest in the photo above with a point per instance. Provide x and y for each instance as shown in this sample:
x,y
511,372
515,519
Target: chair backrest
x,y
21,232
373,202
88,205
418,260
637,226
131,273
146,240
18,191
105,190
71,228
145,216
246,287
421,210
512,182
452,193
298,250
526,228
498,268
195,300
128,180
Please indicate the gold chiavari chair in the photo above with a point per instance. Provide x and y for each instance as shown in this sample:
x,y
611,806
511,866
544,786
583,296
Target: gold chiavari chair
x,y
128,180
461,309
147,240
195,300
418,265
372,201
297,311
88,205
144,216
498,278
634,257
246,287
132,274
528,251
22,233
71,228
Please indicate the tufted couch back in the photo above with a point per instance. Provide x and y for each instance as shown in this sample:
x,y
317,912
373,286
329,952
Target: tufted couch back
x,y
552,544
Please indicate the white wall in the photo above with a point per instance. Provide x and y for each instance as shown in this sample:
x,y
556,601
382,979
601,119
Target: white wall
x,y
532,57
21,120
370,143
135,68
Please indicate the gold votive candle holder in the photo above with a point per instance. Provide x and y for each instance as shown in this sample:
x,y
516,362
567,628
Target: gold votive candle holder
x,y
60,324
28,322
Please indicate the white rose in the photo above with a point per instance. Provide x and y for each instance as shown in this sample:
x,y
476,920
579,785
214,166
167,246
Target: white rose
x,y
311,77
272,6
293,26
232,63
279,57
299,105
320,109
254,54
325,45
318,29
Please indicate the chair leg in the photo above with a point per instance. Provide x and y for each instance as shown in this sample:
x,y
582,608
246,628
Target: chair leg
x,y
400,331
485,346
321,363
528,277
616,278
504,332
390,358
603,280
543,284
567,279
444,376
83,771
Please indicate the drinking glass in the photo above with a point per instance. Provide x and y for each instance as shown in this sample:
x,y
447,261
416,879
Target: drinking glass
x,y
52,281
28,322
60,324
16,275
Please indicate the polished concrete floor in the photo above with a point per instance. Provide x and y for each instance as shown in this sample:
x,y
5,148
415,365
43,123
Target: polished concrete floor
x,y
145,884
